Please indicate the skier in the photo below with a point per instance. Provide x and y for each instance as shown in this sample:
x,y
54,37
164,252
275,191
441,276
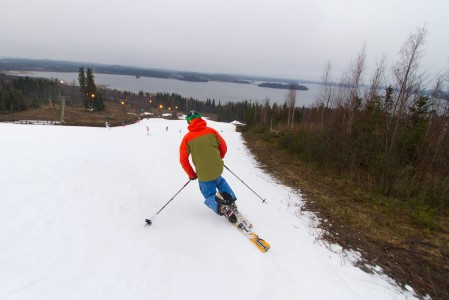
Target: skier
x,y
107,125
208,149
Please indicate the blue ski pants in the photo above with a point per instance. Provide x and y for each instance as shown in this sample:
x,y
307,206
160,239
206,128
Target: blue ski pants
x,y
209,188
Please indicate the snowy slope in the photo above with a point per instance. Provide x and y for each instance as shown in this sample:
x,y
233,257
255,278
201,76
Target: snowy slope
x,y
73,205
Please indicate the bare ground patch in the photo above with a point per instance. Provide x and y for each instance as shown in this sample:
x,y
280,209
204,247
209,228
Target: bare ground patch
x,y
74,115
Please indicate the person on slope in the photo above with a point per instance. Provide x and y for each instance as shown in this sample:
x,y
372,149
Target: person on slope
x,y
208,149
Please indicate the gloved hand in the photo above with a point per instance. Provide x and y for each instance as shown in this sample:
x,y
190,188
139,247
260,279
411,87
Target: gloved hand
x,y
193,178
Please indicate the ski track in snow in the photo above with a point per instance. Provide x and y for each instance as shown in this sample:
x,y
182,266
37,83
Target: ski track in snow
x,y
73,205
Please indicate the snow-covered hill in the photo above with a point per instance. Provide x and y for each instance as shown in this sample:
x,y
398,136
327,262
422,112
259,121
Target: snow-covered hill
x,y
73,204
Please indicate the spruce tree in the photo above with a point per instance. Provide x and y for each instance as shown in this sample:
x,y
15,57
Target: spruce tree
x,y
83,86
91,88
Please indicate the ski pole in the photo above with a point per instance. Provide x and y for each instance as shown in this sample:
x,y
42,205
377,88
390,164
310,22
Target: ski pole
x,y
263,200
148,221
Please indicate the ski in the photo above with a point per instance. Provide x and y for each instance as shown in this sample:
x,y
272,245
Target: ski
x,y
246,228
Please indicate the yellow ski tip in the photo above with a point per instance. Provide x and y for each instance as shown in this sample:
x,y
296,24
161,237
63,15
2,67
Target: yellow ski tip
x,y
260,244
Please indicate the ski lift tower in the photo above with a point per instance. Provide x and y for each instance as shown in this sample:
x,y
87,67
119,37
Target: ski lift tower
x,y
62,100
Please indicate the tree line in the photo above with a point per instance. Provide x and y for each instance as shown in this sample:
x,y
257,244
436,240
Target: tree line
x,y
391,135
19,93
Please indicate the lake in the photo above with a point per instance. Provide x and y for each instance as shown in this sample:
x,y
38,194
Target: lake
x,y
218,90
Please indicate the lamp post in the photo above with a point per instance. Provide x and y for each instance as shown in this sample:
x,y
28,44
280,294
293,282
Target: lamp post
x,y
62,99
123,102
92,102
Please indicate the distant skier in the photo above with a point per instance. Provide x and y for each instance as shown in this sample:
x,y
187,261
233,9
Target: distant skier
x,y
148,130
107,125
208,149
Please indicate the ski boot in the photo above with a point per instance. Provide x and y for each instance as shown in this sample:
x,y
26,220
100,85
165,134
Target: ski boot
x,y
227,211
227,207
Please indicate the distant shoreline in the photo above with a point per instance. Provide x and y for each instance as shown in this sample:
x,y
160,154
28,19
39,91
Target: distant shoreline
x,y
272,85
220,91
30,65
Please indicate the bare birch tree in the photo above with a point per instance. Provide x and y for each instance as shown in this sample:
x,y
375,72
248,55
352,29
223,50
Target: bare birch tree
x,y
290,98
3,95
377,80
355,81
408,84
326,92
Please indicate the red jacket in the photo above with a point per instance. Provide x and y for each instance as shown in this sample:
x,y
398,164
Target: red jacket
x,y
208,149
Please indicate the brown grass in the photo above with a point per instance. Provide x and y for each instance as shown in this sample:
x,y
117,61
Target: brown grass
x,y
74,115
381,229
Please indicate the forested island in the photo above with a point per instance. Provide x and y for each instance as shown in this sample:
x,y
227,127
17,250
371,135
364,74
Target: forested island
x,y
192,78
285,86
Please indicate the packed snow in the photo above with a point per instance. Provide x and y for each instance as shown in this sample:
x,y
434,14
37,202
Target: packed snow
x,y
74,201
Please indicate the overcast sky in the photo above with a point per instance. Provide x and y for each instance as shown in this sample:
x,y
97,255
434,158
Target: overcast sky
x,y
282,38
